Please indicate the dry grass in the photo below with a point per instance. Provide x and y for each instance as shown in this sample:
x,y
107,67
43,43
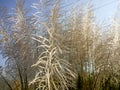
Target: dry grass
x,y
54,73
69,55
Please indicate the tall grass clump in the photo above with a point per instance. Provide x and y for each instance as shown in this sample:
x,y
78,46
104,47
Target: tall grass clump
x,y
53,72
90,53
80,42
52,51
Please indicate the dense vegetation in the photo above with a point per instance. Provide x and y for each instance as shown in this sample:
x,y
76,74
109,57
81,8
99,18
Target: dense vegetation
x,y
48,50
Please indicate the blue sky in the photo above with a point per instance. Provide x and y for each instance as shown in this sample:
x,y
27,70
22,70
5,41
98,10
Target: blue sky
x,y
105,9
